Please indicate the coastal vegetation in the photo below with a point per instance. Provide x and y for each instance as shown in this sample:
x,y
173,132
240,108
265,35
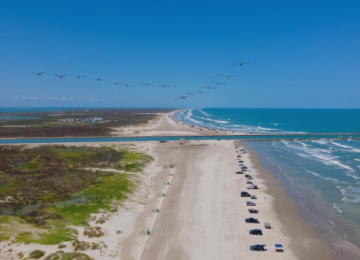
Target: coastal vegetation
x,y
47,190
27,124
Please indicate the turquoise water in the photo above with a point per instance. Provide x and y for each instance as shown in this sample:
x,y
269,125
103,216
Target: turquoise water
x,y
323,176
275,120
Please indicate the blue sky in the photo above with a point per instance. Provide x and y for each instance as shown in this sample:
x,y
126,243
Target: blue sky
x,y
303,54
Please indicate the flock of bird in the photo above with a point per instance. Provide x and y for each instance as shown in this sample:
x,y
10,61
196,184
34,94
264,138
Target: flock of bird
x,y
188,94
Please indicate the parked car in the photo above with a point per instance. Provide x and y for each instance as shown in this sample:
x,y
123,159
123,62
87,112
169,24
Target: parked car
x,y
250,203
253,211
258,248
252,220
250,187
245,194
255,232
249,182
279,248
253,197
267,225
247,175
241,164
249,178
239,172
240,161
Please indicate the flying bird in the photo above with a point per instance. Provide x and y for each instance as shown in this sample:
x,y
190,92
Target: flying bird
x,y
228,76
207,87
182,97
218,83
146,84
190,94
126,85
39,73
78,77
60,76
116,83
199,92
241,63
164,86
98,79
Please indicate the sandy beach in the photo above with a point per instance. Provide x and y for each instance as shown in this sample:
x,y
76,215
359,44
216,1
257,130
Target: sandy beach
x,y
166,125
203,216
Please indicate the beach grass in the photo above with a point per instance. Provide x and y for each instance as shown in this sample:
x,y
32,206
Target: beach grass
x,y
50,188
46,123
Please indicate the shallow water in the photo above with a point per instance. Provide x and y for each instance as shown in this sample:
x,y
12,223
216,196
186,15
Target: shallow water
x,y
323,176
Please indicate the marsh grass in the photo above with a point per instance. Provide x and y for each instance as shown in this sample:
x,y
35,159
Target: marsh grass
x,y
53,189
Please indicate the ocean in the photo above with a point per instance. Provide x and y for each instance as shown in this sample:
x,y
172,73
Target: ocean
x,y
323,176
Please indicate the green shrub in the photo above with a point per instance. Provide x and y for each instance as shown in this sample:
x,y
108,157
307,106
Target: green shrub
x,y
36,254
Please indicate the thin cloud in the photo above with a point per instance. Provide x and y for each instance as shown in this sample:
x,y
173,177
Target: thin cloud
x,y
33,97
67,99
19,97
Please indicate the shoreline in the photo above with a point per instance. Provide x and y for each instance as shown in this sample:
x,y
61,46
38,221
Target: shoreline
x,y
321,225
285,206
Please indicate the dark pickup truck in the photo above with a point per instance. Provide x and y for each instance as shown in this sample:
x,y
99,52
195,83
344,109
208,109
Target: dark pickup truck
x,y
256,232
257,248
251,220
245,194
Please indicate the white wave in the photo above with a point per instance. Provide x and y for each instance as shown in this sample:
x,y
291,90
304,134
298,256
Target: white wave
x,y
357,160
309,150
204,113
304,155
315,154
188,118
221,121
334,205
351,194
268,129
352,149
321,141
324,150
322,177
343,166
341,145
303,144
